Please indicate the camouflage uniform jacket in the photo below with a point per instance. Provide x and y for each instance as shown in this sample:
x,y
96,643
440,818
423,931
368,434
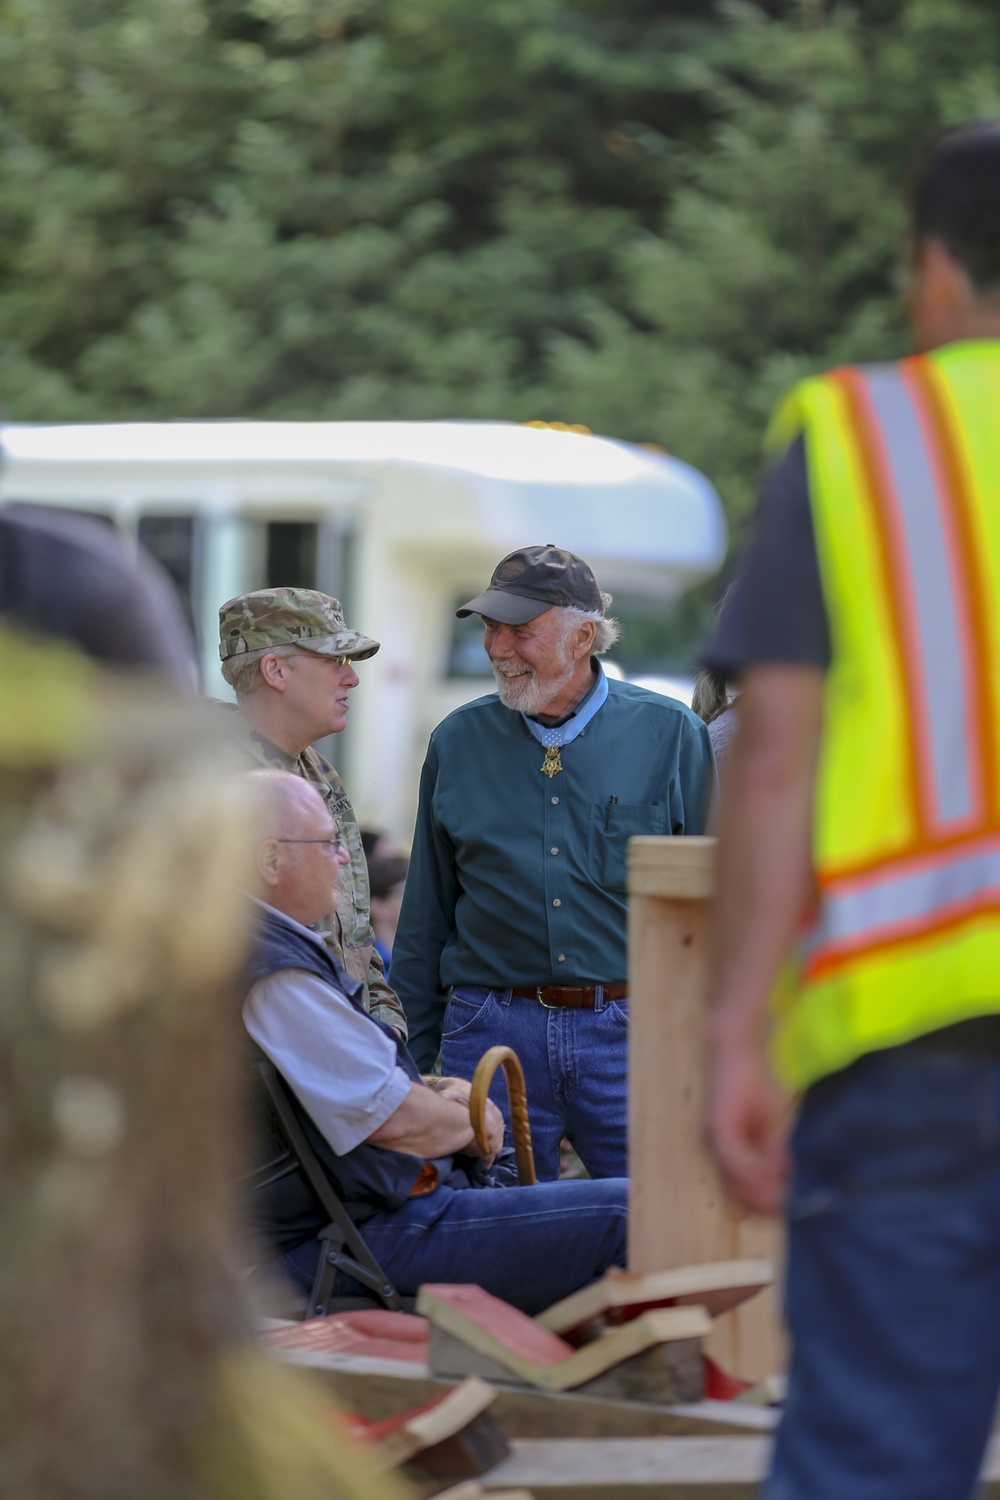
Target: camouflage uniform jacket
x,y
348,932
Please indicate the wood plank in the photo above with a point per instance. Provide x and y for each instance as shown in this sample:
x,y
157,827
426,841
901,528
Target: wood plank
x,y
681,869
490,1325
678,1213
655,1469
383,1388
508,1338
626,1468
717,1286
663,1374
451,1435
374,1333
471,1490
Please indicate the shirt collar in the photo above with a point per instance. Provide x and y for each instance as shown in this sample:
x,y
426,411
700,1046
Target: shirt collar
x,y
595,685
575,724
251,739
284,917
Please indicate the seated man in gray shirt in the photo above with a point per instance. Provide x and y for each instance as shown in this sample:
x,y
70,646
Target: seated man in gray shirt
x,y
399,1151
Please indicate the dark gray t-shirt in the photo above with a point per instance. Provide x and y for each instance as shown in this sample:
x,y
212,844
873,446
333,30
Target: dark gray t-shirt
x,y
775,610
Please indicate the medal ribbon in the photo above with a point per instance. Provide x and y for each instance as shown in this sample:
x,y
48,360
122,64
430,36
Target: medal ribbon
x,y
553,736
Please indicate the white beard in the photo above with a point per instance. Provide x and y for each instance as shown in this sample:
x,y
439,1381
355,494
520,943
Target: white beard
x,y
526,694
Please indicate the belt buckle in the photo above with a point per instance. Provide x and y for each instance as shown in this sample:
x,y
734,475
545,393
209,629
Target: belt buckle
x,y
538,997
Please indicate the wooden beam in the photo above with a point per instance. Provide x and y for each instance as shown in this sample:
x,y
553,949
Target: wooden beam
x,y
490,1338
717,1286
678,869
655,1469
635,1469
380,1388
679,1214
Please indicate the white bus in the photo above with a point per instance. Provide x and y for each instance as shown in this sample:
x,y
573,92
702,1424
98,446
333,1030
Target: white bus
x,y
400,520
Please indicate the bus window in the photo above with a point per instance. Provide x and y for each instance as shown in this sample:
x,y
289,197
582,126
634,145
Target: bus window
x,y
290,554
171,540
467,654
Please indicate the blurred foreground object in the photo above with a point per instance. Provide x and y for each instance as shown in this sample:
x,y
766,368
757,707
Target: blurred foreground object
x,y
126,1365
71,577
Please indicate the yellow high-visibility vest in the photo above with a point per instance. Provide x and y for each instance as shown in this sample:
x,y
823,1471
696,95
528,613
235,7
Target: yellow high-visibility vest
x,y
903,936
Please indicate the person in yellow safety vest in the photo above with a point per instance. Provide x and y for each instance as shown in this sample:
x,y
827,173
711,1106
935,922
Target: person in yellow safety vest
x,y
858,913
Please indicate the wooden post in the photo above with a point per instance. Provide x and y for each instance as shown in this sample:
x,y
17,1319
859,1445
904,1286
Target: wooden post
x,y
679,1214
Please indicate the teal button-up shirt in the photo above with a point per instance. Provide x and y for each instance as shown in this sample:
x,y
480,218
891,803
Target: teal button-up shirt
x,y
516,879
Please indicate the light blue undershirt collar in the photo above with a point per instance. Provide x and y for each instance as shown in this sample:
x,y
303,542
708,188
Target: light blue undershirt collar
x,y
562,734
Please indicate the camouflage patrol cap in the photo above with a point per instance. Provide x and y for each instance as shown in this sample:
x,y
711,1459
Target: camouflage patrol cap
x,y
289,617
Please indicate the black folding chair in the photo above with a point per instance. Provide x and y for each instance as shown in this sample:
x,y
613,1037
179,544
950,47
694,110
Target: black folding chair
x,y
341,1246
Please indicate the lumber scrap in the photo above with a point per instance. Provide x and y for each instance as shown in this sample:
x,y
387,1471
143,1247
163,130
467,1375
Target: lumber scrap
x,y
665,1373
682,1217
470,1490
375,1333
769,1392
621,1295
379,1388
487,1336
655,1469
450,1436
635,1469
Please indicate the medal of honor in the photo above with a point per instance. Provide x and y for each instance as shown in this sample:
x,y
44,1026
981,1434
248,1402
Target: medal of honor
x,y
552,737
551,765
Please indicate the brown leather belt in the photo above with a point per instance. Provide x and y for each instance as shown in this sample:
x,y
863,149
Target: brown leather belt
x,y
572,996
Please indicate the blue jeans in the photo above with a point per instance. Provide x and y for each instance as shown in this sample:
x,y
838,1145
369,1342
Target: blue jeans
x,y
893,1292
529,1245
575,1069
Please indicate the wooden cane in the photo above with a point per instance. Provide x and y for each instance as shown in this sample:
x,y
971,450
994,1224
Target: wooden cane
x,y
517,1094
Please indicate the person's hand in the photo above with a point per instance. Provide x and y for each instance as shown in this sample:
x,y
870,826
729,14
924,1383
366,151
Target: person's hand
x,y
494,1135
746,1126
457,1089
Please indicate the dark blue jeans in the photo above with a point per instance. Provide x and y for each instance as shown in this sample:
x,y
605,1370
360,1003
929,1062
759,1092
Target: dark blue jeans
x,y
893,1293
528,1245
575,1070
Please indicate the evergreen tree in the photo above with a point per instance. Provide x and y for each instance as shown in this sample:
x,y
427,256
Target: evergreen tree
x,y
648,218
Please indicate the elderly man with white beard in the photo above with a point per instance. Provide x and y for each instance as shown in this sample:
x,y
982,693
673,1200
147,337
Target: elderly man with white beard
x,y
513,928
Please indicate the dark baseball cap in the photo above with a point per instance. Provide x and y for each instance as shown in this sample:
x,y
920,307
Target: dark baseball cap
x,y
533,579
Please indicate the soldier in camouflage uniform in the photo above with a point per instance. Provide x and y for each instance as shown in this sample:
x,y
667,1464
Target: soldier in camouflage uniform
x,y
289,656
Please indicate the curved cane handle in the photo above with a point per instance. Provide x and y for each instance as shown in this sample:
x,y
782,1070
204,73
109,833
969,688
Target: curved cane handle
x,y
517,1094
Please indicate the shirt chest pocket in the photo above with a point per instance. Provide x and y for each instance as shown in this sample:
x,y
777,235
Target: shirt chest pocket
x,y
610,830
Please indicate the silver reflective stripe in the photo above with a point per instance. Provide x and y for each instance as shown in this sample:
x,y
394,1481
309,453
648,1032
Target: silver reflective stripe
x,y
874,906
935,609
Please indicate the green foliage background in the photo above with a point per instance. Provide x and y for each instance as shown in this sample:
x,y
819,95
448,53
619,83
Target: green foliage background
x,y
644,215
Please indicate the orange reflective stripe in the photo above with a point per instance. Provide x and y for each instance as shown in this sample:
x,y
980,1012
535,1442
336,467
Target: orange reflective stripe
x,y
897,902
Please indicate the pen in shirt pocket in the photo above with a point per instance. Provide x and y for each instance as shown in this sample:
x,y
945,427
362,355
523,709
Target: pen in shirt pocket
x,y
612,802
